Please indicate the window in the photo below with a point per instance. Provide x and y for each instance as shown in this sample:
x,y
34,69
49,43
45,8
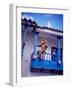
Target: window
x,y
54,53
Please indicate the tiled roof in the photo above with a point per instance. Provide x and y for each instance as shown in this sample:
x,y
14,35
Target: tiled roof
x,y
34,24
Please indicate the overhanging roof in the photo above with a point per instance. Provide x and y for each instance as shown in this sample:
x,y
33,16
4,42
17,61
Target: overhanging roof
x,y
32,24
50,31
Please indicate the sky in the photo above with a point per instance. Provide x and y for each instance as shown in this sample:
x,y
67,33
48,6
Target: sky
x,y
54,21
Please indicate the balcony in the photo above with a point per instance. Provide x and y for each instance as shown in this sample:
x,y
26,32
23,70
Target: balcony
x,y
49,64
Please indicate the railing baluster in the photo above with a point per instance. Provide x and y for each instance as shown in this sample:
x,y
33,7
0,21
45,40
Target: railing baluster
x,y
47,56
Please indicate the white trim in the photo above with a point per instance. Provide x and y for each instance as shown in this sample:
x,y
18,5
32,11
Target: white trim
x,y
13,53
15,59
48,31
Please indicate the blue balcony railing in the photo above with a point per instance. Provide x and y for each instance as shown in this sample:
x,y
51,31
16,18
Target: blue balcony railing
x,y
46,56
48,62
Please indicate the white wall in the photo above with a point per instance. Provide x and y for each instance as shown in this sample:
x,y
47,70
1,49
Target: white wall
x,y
29,44
28,49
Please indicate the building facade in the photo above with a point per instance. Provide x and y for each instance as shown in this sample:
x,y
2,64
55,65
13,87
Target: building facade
x,y
52,61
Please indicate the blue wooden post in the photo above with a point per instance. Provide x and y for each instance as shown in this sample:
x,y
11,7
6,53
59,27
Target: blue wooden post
x,y
24,37
35,41
59,47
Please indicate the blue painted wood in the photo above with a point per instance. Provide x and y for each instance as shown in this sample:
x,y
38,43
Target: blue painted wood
x,y
35,41
45,64
24,38
59,47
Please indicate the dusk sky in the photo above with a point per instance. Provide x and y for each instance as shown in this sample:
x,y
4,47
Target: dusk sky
x,y
54,21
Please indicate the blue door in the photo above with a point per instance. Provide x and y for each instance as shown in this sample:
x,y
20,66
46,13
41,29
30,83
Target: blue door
x,y
54,53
